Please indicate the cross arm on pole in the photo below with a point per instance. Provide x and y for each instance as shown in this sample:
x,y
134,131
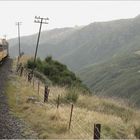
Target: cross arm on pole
x,y
18,23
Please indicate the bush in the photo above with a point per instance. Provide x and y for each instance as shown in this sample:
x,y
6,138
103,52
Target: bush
x,y
42,77
56,72
48,59
30,64
72,95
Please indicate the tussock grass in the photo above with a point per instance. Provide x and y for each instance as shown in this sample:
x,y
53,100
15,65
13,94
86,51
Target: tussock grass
x,y
118,120
106,106
24,59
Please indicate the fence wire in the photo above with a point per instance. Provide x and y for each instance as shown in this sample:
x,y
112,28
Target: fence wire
x,y
80,128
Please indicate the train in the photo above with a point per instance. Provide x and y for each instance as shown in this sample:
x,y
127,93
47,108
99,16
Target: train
x,y
4,49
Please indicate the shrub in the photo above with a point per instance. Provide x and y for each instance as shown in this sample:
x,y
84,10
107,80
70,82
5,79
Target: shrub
x,y
48,59
137,132
30,64
55,71
72,95
42,77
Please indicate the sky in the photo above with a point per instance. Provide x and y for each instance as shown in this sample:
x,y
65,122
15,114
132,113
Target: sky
x,y
61,14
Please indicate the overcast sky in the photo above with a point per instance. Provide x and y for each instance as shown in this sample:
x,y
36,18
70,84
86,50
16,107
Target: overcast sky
x,y
61,14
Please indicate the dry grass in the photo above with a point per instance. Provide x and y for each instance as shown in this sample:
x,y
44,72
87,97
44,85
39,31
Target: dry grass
x,y
24,59
49,122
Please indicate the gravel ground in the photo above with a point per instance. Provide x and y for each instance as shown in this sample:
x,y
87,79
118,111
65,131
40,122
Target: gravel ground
x,y
10,126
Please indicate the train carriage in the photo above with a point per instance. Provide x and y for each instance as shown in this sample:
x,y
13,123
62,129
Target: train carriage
x,y
3,49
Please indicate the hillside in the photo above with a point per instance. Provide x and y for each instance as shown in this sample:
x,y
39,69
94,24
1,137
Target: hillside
x,y
85,49
118,77
118,121
48,41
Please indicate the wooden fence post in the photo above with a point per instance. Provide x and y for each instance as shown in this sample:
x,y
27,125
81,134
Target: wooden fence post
x,y
21,71
24,73
33,82
16,99
58,101
38,86
30,75
71,116
27,77
97,131
46,94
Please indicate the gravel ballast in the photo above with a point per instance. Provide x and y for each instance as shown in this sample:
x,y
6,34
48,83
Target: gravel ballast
x,y
10,126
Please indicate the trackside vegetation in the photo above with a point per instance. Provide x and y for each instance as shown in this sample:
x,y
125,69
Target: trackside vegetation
x,y
117,118
55,71
118,121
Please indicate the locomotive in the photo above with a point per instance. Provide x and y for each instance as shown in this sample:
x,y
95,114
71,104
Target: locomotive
x,y
3,49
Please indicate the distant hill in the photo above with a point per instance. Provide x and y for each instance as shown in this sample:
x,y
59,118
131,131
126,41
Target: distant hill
x,y
92,51
47,45
118,77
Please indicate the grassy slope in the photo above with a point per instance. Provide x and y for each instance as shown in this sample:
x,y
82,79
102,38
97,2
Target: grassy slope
x,y
118,77
118,121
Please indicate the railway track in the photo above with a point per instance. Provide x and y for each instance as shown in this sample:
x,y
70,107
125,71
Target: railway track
x,y
4,61
9,125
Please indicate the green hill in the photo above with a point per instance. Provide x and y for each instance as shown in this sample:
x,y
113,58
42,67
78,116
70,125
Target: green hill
x,y
118,77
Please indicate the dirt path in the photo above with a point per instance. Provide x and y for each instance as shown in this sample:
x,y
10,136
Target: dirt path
x,y
10,126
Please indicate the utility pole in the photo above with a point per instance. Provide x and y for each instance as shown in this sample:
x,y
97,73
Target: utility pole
x,y
5,36
18,24
41,21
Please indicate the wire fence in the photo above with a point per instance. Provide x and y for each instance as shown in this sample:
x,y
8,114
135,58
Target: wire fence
x,y
77,125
